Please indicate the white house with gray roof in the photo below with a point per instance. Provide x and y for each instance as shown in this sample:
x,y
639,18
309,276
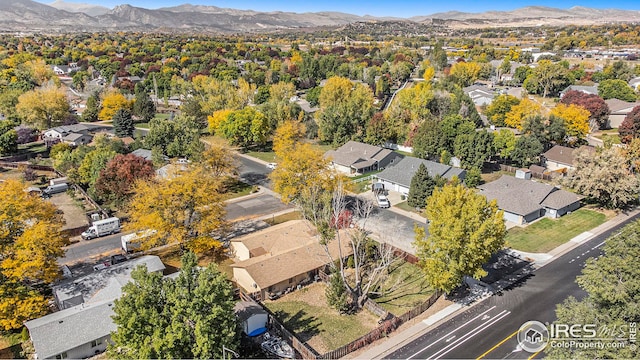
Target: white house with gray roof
x,y
398,177
358,158
524,201
83,325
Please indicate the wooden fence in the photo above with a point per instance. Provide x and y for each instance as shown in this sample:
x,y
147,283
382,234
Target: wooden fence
x,y
376,309
420,308
381,331
534,174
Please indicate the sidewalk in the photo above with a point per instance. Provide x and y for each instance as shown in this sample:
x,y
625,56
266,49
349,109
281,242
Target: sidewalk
x,y
398,340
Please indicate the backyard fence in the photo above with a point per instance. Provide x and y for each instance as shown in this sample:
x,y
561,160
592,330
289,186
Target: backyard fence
x,y
534,174
420,308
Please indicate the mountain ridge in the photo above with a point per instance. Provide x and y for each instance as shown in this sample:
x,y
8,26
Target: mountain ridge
x,y
62,16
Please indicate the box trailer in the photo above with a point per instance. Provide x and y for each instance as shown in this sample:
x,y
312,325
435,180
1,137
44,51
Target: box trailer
x,y
131,242
102,228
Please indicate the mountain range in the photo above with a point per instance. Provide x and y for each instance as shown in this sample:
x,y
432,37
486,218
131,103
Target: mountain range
x,y
61,16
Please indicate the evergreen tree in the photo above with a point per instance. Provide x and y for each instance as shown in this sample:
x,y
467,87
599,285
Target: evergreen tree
x,y
123,123
186,318
92,109
422,185
144,107
473,177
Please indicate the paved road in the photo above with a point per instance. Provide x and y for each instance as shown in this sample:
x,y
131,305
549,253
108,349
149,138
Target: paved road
x,y
254,172
92,250
489,329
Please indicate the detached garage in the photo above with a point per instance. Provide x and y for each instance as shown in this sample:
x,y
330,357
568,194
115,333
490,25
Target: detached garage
x,y
253,318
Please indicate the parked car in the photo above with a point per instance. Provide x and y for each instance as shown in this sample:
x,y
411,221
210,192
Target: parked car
x,y
383,202
377,188
116,259
272,166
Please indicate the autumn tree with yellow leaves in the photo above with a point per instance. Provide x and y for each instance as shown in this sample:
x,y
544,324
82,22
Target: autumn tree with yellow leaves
x,y
30,243
187,209
520,112
576,119
112,101
43,107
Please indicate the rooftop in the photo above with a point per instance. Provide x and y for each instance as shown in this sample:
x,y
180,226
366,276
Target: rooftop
x,y
402,172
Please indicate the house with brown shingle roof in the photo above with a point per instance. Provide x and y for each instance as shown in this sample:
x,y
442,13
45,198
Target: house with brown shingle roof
x,y
281,257
358,158
560,157
524,201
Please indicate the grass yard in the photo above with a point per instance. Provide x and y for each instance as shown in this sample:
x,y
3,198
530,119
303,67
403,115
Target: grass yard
x,y
268,156
405,288
171,259
493,176
142,125
238,188
547,234
9,345
215,140
306,313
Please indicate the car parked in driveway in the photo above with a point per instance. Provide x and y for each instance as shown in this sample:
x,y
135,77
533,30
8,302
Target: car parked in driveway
x,y
383,202
272,166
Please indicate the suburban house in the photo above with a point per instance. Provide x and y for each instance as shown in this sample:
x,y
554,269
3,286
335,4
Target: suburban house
x,y
143,153
62,70
358,158
275,260
589,90
59,132
77,139
83,326
398,177
560,157
635,83
618,110
480,95
524,201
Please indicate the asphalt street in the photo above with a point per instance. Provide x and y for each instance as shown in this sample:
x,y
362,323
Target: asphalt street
x,y
256,206
253,172
488,330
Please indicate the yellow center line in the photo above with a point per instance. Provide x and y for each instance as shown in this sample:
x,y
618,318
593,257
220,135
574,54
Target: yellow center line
x,y
498,345
534,355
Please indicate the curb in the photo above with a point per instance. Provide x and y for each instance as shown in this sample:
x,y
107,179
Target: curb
x,y
253,158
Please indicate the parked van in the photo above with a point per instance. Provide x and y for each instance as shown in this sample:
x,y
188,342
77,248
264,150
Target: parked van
x,y
54,189
102,228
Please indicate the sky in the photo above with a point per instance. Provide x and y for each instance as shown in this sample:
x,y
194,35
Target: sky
x,y
396,8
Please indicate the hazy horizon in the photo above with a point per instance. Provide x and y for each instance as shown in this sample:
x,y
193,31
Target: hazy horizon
x,y
379,8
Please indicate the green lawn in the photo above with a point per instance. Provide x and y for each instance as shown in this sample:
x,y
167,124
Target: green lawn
x,y
268,156
547,234
238,188
142,125
315,323
405,288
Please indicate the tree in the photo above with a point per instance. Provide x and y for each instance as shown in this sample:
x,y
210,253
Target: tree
x,y
345,110
519,113
287,135
465,230
473,177
504,142
474,149
174,138
8,138
527,151
576,119
123,123
630,127
596,106
30,244
26,134
499,107
603,177
245,127
186,209
465,73
116,180
218,117
547,78
189,317
422,185
380,129
612,298
43,107
616,89
92,163
92,109
144,107
112,101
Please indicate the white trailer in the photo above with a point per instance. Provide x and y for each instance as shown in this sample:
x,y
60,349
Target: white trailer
x,y
102,228
131,242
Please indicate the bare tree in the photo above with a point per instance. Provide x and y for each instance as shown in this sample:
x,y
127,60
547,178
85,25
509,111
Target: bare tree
x,y
343,220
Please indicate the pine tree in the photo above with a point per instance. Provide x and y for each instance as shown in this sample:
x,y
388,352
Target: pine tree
x,y
144,107
422,185
92,109
123,123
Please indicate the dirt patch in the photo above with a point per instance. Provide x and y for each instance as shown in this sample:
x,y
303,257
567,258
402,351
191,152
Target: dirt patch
x,y
74,214
440,304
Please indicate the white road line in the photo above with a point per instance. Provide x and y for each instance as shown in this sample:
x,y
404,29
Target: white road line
x,y
602,243
450,333
469,335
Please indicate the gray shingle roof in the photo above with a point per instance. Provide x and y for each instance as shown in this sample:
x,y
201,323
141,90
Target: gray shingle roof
x,y
67,329
560,154
402,172
522,197
143,153
354,152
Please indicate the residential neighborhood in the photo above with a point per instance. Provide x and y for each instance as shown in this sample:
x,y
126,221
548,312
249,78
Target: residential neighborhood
x,y
351,189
